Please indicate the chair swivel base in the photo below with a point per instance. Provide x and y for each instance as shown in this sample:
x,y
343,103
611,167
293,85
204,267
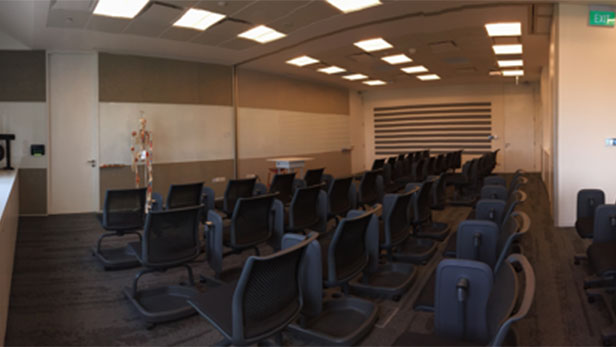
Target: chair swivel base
x,y
414,250
343,321
435,230
116,258
162,304
389,280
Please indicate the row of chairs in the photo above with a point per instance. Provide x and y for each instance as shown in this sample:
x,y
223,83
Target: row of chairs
x,y
596,221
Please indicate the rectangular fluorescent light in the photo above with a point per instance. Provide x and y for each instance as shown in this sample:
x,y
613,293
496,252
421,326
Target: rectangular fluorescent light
x,y
430,77
374,83
262,34
397,59
347,6
373,45
355,77
302,61
198,19
507,49
510,63
332,70
414,69
512,73
504,29
119,8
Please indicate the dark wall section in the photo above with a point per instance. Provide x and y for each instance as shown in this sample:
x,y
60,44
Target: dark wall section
x,y
126,78
264,90
32,191
22,76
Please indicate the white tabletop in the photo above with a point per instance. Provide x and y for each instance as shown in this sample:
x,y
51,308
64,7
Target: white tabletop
x,y
290,159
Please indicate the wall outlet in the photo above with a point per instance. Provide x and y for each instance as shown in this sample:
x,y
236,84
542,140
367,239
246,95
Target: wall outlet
x,y
219,179
251,175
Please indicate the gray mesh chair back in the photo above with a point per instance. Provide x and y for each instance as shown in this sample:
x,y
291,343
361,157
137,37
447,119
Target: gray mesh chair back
x,y
492,210
339,200
478,240
314,176
494,181
378,164
418,170
391,160
587,202
423,212
495,192
426,154
368,187
347,253
304,207
428,169
236,189
439,193
251,223
124,209
171,237
396,219
184,195
605,224
283,185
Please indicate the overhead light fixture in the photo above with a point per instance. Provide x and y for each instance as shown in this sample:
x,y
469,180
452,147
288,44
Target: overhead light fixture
x,y
302,61
198,19
355,77
347,6
262,34
504,29
119,8
512,73
332,70
507,49
430,77
414,69
373,45
374,83
397,59
510,63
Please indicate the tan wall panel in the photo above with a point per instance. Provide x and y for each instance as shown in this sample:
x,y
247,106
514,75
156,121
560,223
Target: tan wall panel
x,y
22,76
170,173
33,191
126,78
263,90
337,164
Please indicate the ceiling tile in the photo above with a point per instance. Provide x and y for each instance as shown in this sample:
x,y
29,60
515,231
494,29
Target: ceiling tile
x,y
180,34
107,24
67,19
221,32
182,3
267,11
227,7
238,44
155,20
313,12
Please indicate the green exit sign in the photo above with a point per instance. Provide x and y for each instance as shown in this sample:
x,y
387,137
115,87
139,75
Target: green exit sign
x,y
602,18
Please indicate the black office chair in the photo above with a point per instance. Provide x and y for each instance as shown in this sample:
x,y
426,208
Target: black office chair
x,y
123,214
423,224
170,240
474,306
263,302
313,177
438,199
283,185
378,164
254,221
371,188
307,211
179,195
236,189
587,202
342,197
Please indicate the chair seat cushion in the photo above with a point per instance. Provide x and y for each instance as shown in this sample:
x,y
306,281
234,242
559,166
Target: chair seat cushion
x,y
585,227
215,306
602,257
416,339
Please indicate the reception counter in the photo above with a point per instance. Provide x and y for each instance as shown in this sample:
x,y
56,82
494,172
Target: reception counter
x,y
9,216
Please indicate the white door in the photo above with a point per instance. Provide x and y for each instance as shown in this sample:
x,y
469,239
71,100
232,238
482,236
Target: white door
x,y
519,138
73,132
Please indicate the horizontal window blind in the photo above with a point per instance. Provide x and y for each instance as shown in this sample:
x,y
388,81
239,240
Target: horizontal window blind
x,y
438,127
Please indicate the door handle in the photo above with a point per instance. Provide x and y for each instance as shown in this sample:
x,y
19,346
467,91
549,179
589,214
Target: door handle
x,y
92,162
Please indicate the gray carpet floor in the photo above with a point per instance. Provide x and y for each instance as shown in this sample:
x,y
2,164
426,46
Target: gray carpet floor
x,y
61,295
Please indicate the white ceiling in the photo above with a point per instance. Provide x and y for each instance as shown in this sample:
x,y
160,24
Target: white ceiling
x,y
313,27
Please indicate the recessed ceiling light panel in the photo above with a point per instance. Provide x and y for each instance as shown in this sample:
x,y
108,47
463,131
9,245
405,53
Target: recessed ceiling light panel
x,y
414,69
512,73
262,34
347,6
504,29
374,83
355,77
507,49
119,8
302,61
198,19
397,59
332,70
373,45
510,63
430,77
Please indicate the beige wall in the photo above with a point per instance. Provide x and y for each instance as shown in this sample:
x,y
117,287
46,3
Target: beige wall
x,y
548,114
586,90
